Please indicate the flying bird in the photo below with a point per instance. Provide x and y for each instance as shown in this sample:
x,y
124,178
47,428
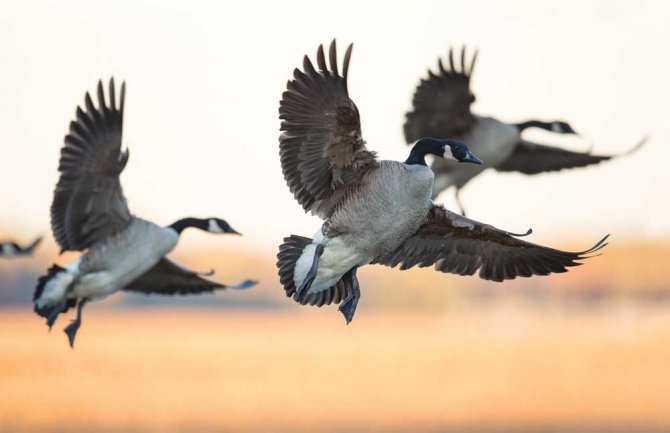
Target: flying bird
x,y
89,212
378,211
11,249
442,108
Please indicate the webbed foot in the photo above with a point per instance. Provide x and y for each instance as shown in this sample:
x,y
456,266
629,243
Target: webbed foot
x,y
348,306
73,327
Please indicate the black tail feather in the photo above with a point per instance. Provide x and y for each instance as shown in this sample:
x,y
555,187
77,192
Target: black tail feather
x,y
50,312
289,253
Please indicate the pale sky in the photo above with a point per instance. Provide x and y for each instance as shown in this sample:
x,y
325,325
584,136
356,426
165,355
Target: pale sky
x,y
204,81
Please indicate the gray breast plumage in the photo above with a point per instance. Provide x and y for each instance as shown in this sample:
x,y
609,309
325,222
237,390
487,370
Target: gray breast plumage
x,y
118,260
390,205
490,139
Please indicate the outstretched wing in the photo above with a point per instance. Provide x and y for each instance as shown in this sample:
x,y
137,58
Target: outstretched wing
x,y
168,278
441,102
30,248
533,158
321,148
462,246
88,203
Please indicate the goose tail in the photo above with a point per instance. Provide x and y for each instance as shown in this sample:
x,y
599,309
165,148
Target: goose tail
x,y
289,253
50,297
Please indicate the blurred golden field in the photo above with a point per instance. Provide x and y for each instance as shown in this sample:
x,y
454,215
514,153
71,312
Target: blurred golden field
x,y
302,369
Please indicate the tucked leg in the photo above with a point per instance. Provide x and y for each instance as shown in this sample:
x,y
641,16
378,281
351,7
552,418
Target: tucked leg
x,y
73,327
348,306
311,274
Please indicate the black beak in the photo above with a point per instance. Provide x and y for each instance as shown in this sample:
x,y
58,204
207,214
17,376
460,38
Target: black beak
x,y
232,231
470,157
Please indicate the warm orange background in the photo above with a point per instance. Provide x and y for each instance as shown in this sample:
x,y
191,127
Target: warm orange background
x,y
586,351
426,351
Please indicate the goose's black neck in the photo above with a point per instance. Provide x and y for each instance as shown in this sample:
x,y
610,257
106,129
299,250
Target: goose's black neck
x,y
547,126
183,223
423,147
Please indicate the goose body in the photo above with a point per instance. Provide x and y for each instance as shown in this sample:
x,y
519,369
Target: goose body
x,y
10,249
441,107
378,211
391,204
112,264
89,213
491,140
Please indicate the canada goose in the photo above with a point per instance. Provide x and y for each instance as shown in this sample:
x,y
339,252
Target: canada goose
x,y
441,108
89,212
378,211
12,249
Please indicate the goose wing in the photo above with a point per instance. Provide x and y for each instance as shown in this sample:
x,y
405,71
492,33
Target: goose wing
x,y
441,102
88,203
534,158
168,278
321,147
462,246
29,248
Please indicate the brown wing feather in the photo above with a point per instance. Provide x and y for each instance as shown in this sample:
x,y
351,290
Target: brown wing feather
x,y
532,158
321,148
462,246
441,102
168,278
88,203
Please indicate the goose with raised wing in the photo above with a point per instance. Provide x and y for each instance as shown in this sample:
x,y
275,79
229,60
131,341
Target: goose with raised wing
x,y
378,211
10,249
89,212
442,108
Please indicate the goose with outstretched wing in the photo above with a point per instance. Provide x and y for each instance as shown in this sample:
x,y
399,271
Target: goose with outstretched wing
x,y
11,249
441,107
378,211
89,213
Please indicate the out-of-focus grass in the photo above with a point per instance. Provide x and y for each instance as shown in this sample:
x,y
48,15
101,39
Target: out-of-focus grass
x,y
628,268
152,370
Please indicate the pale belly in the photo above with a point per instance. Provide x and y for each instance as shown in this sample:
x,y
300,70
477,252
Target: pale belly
x,y
371,226
122,262
100,284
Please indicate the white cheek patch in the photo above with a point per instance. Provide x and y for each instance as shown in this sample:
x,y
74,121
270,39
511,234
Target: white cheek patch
x,y
448,155
214,227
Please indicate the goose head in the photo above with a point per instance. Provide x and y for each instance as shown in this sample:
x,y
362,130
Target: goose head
x,y
444,148
211,225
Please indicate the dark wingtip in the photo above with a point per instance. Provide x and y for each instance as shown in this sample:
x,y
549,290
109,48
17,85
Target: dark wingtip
x,y
520,235
597,247
638,146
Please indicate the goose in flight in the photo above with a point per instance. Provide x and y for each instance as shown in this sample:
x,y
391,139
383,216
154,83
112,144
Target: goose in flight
x,y
378,211
89,212
441,108
11,249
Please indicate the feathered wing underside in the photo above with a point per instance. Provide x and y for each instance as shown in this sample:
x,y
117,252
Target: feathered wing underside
x,y
534,158
462,246
441,102
88,203
168,278
321,148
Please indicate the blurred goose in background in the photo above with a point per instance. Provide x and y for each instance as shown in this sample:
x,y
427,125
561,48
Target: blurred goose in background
x,y
378,211
441,108
89,212
12,249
